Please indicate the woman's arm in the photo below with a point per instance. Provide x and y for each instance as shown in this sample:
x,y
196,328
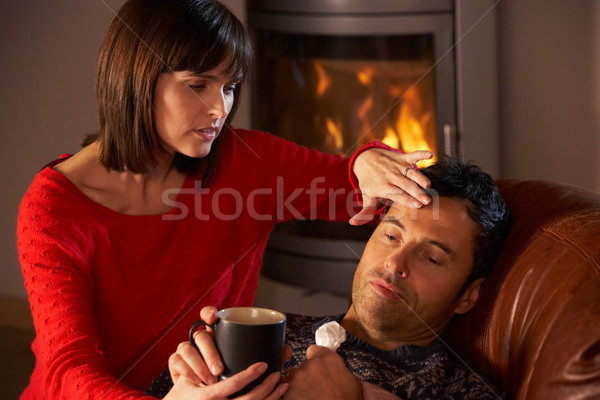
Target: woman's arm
x,y
52,253
307,184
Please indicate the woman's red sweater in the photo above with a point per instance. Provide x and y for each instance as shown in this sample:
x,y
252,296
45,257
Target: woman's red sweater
x,y
112,295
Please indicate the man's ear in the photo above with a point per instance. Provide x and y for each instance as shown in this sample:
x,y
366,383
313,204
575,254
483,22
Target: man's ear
x,y
469,297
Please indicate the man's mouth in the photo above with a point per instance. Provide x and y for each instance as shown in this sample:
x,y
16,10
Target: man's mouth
x,y
386,289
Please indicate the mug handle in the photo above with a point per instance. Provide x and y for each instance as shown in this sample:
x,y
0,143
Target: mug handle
x,y
195,326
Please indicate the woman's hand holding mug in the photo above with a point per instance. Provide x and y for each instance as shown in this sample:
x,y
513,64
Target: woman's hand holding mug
x,y
199,362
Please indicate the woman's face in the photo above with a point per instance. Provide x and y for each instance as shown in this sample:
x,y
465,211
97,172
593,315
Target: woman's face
x,y
190,109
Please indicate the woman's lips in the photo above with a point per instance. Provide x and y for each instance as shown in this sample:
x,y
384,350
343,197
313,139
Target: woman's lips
x,y
385,289
207,134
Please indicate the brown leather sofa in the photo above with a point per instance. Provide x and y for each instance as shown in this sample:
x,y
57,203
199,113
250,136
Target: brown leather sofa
x,y
535,331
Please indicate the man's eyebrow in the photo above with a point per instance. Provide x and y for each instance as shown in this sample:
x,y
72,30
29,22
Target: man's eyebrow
x,y
442,246
394,221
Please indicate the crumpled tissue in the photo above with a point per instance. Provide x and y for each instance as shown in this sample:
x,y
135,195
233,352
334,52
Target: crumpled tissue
x,y
330,335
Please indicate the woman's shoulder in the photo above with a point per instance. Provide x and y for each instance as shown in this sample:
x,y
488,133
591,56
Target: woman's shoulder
x,y
270,149
56,183
51,211
48,188
90,181
255,141
79,167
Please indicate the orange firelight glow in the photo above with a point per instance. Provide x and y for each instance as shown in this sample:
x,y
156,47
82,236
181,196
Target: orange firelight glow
x,y
335,139
409,130
338,106
411,126
322,79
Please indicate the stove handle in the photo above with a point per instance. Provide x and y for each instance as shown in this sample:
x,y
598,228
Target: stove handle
x,y
449,139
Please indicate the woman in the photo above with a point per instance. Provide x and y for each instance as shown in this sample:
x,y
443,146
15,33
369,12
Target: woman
x,y
168,208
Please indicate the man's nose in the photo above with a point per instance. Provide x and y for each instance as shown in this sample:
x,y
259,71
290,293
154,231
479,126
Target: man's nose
x,y
397,263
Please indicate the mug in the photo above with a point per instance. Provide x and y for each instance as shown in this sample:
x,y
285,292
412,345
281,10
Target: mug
x,y
247,335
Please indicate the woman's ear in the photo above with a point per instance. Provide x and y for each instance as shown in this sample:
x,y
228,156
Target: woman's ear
x,y
469,297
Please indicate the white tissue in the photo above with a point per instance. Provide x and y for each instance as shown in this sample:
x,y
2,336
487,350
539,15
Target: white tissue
x,y
330,335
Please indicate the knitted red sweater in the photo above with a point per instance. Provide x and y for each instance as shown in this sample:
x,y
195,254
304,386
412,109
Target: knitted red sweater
x,y
112,295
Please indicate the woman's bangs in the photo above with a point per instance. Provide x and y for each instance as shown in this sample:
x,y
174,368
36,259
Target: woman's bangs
x,y
236,59
227,44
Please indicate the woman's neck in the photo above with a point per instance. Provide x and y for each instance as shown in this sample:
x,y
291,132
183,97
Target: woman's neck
x,y
124,192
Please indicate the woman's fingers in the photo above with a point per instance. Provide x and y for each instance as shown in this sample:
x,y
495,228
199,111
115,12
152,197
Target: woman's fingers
x,y
267,390
189,363
179,368
273,394
237,382
208,314
417,177
205,342
410,194
419,155
206,345
384,174
406,166
404,183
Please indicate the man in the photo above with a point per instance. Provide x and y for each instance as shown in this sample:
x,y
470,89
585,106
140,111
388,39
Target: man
x,y
419,269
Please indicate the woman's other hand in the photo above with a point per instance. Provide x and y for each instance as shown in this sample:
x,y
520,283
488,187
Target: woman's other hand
x,y
384,174
269,389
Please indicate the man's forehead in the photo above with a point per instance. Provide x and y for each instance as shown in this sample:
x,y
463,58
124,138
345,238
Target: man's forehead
x,y
399,212
444,213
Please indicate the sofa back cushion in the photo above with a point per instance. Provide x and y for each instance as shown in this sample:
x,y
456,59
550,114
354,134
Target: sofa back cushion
x,y
535,330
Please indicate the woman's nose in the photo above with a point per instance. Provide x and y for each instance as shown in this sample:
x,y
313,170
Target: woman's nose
x,y
215,104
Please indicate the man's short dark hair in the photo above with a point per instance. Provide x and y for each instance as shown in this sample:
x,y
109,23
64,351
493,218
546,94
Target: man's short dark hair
x,y
452,177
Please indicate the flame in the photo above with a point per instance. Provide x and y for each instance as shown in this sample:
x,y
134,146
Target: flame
x,y
412,124
365,77
335,139
364,113
323,81
391,138
396,91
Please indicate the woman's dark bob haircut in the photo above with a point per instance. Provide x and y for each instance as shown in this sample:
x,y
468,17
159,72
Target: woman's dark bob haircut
x,y
146,39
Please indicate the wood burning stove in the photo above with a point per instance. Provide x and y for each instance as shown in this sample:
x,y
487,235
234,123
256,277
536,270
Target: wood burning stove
x,y
335,74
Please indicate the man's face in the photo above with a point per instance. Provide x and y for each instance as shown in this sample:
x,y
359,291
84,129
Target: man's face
x,y
408,281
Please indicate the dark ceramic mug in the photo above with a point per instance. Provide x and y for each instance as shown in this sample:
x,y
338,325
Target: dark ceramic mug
x,y
247,335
